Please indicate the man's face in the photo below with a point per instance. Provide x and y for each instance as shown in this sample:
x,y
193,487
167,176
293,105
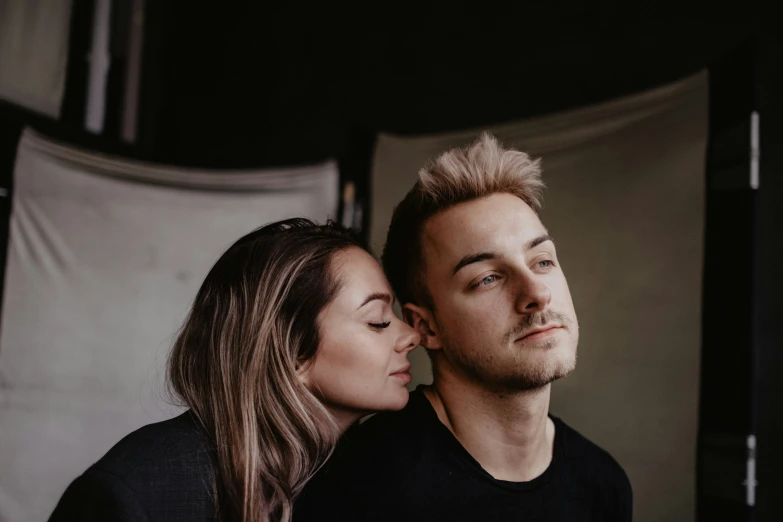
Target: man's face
x,y
503,314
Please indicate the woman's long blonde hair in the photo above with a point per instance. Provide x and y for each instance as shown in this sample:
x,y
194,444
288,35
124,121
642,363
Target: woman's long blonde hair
x,y
253,326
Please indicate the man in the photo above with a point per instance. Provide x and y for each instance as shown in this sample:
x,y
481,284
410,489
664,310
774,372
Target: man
x,y
478,276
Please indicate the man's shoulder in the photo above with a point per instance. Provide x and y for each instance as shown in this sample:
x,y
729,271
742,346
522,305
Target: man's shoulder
x,y
580,449
370,458
389,431
586,460
382,443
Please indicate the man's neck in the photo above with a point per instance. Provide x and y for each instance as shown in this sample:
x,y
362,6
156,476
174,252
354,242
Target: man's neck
x,y
508,433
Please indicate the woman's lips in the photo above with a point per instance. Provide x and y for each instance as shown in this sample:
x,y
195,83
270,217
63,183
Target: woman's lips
x,y
403,373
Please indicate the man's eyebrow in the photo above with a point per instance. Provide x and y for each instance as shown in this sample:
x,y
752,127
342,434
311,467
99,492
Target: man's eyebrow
x,y
486,256
533,243
377,296
473,258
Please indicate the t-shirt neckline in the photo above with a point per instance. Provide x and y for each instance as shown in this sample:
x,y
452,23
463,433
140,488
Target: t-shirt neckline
x,y
459,452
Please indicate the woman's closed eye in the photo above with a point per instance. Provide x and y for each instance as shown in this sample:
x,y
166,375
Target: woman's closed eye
x,y
379,326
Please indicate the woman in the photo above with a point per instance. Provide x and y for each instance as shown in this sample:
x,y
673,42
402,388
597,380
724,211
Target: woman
x,y
291,339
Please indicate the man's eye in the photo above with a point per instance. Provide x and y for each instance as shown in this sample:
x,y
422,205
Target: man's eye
x,y
487,280
546,263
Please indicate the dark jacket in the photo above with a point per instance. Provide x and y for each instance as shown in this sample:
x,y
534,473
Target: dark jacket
x,y
160,472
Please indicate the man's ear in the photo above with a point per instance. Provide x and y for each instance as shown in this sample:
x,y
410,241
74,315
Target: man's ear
x,y
423,321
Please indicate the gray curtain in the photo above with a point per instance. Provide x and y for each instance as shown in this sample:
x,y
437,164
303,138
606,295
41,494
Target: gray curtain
x,y
105,257
625,204
34,53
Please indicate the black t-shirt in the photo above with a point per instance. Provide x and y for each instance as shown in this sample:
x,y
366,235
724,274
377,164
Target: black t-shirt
x,y
407,466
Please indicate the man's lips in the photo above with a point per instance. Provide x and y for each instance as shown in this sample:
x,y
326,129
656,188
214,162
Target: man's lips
x,y
540,332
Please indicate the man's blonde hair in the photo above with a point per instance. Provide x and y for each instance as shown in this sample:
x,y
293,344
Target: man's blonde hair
x,y
456,176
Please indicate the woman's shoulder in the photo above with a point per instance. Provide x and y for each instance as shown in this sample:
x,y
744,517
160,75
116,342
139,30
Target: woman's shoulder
x,y
162,471
172,445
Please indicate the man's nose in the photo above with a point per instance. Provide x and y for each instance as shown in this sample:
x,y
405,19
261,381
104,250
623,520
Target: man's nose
x,y
532,294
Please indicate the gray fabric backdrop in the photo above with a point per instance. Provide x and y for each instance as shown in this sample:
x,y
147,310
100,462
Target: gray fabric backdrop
x,y
34,53
625,203
104,259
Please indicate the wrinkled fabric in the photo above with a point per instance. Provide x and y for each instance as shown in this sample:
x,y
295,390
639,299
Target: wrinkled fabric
x,y
105,257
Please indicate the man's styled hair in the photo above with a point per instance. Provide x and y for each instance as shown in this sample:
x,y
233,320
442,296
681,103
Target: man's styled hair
x,y
458,175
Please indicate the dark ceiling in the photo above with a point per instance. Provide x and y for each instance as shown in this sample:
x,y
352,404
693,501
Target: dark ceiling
x,y
252,84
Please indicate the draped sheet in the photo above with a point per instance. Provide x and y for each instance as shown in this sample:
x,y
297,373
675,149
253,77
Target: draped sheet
x,y
105,257
34,53
625,204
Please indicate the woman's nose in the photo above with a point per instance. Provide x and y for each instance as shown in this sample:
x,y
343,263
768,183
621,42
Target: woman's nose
x,y
408,340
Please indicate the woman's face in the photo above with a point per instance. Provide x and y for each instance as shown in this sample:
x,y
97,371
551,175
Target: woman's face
x,y
361,365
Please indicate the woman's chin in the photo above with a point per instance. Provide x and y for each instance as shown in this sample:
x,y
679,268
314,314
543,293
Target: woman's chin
x,y
398,401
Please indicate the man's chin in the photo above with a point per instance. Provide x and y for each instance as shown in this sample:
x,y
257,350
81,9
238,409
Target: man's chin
x,y
537,376
527,370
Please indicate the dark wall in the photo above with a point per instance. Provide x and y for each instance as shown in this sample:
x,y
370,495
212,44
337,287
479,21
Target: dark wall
x,y
257,84
770,278
253,84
